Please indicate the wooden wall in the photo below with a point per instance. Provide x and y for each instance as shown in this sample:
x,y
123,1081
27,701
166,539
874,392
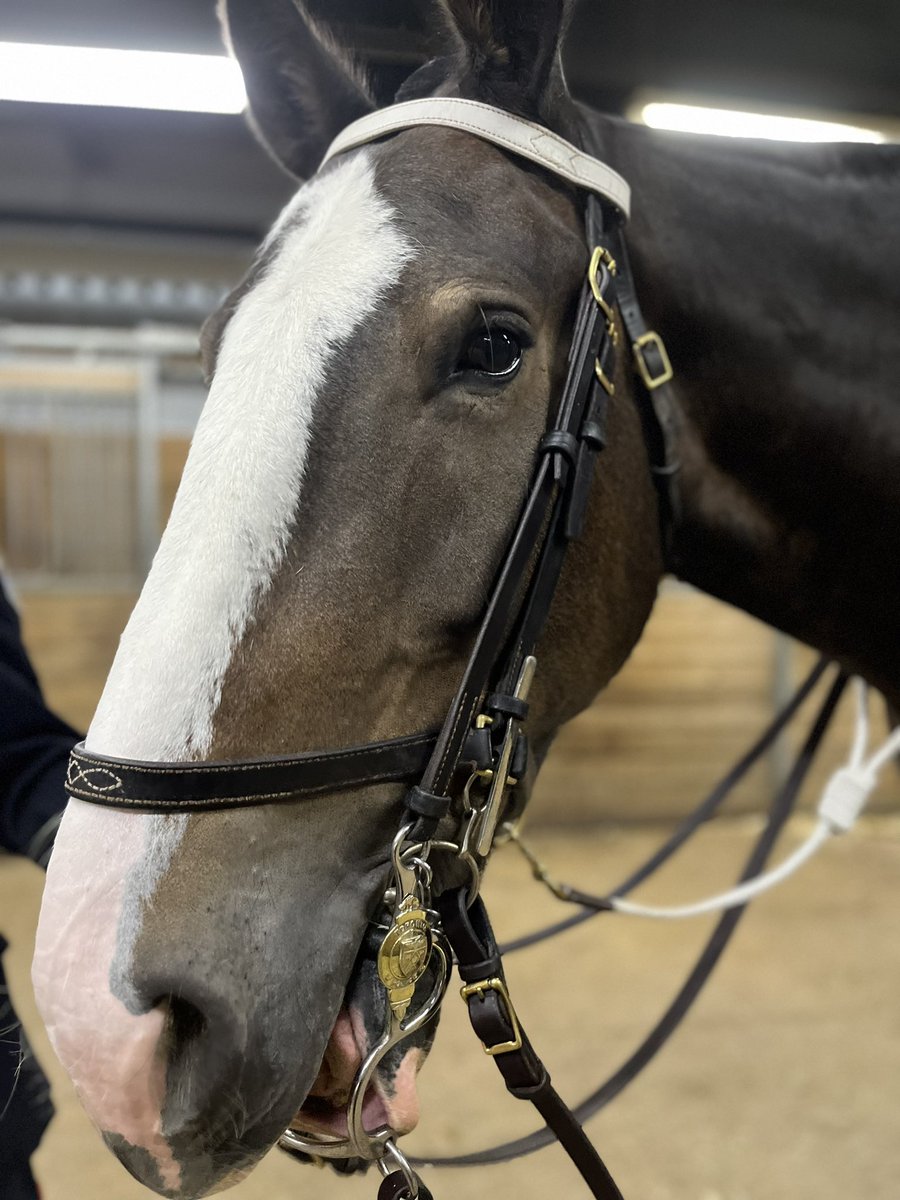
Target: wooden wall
x,y
72,638
53,486
696,691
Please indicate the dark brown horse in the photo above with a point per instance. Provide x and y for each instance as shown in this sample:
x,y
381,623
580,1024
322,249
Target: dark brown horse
x,y
378,385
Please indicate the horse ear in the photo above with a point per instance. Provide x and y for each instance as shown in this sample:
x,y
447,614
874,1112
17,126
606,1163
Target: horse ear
x,y
511,49
302,88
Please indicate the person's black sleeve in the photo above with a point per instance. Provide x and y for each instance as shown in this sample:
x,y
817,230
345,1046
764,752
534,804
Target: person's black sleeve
x,y
34,748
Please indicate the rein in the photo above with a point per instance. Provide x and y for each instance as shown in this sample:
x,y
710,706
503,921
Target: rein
x,y
463,779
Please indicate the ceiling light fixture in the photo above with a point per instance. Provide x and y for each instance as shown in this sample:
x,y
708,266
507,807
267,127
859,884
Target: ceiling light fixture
x,y
206,83
692,118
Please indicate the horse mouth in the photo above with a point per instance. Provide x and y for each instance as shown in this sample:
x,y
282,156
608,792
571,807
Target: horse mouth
x,y
390,1100
323,1117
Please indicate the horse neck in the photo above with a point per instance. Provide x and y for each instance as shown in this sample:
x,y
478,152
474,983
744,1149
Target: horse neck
x,y
775,278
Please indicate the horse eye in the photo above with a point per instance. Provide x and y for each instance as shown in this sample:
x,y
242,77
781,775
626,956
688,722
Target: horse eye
x,y
493,352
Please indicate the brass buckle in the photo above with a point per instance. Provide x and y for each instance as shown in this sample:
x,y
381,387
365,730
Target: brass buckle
x,y
652,382
501,778
608,386
496,985
602,257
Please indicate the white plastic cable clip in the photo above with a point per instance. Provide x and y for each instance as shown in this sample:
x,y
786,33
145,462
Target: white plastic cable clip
x,y
846,795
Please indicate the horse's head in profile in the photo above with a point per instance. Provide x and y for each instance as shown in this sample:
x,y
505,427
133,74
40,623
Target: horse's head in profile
x,y
379,383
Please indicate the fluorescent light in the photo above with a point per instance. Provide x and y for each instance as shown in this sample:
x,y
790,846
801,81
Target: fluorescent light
x,y
120,78
691,118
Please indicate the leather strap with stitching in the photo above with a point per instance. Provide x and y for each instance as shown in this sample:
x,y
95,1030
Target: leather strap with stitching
x,y
193,787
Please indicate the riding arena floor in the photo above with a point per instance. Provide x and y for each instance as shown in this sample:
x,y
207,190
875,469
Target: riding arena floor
x,y
784,1083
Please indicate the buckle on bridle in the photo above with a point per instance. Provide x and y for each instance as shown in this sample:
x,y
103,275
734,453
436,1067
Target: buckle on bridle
x,y
601,256
608,386
665,374
480,989
602,262
501,778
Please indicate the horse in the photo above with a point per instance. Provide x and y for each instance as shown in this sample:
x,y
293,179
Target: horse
x,y
378,384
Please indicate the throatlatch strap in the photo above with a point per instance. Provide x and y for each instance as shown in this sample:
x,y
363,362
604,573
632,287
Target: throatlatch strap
x,y
653,391
495,1022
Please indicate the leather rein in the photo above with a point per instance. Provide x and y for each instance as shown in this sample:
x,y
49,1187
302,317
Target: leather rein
x,y
462,780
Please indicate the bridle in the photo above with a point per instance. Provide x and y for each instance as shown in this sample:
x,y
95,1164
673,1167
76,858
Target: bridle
x,y
463,781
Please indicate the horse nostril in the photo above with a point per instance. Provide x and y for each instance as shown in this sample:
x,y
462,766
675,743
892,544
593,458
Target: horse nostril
x,y
185,1028
195,1033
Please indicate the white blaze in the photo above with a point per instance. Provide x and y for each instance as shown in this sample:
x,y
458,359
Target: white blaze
x,y
238,497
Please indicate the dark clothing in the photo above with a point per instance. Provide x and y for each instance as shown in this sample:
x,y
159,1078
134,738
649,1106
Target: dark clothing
x,y
34,749
20,1185
34,745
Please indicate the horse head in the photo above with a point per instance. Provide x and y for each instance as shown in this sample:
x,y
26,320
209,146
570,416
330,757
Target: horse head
x,y
379,382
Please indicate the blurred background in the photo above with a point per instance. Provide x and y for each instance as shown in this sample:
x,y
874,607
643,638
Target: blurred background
x,y
121,226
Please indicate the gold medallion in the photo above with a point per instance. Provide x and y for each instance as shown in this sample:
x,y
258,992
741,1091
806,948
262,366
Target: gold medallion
x,y
404,954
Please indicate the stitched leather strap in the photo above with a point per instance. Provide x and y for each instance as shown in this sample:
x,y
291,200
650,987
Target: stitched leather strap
x,y
193,787
513,133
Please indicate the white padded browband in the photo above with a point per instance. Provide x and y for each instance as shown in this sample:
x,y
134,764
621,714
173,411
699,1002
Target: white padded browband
x,y
515,134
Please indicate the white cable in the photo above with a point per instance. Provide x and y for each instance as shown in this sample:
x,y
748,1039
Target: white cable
x,y
736,896
844,798
889,750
